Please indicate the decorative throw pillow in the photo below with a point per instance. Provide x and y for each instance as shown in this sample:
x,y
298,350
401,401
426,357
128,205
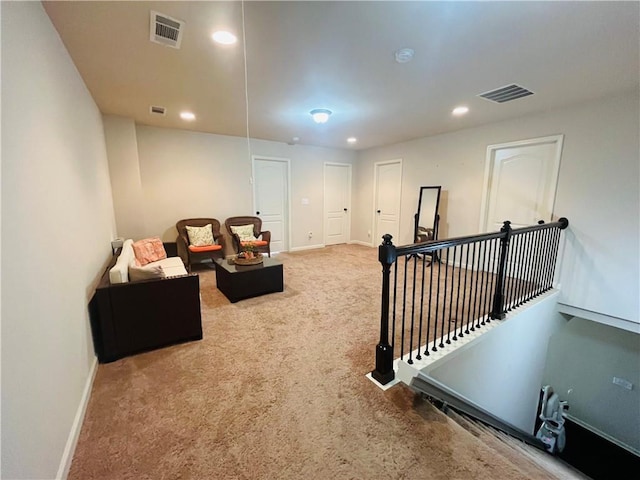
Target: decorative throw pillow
x,y
149,250
200,236
145,273
245,232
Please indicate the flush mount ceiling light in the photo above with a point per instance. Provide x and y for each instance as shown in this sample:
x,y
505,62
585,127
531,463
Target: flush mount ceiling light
x,y
187,116
223,37
352,139
320,115
460,111
404,55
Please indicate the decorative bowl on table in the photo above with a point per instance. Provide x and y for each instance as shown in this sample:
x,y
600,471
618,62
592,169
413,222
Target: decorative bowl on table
x,y
243,259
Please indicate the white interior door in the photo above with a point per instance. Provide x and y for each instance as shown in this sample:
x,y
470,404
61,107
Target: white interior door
x,y
271,199
337,203
520,186
387,190
520,182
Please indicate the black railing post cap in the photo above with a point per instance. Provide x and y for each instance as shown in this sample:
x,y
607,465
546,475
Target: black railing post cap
x,y
386,239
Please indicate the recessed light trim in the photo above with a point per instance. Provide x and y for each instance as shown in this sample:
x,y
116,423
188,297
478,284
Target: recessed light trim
x,y
224,37
188,116
320,115
461,110
352,139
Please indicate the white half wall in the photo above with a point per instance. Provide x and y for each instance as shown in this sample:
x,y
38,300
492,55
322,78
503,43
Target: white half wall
x,y
503,371
57,224
598,191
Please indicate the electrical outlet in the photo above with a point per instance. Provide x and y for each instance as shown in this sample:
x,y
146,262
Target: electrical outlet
x,y
368,233
621,382
310,234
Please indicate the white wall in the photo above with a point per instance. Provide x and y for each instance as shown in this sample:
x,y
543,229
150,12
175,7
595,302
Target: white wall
x,y
597,191
57,222
594,400
188,174
503,372
124,170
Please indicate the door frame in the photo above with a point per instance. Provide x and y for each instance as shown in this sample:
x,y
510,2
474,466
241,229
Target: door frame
x,y
375,196
488,170
287,161
324,192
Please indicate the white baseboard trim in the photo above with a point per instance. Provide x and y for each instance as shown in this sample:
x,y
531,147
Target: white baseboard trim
x,y
360,242
72,440
307,247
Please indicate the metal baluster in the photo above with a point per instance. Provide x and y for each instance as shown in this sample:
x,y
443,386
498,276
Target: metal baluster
x,y
455,327
418,356
515,262
482,284
435,322
426,340
453,278
444,300
464,294
492,277
475,287
413,306
404,308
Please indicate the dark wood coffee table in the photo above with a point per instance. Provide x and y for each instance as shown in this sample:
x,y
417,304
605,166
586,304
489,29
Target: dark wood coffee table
x,y
238,282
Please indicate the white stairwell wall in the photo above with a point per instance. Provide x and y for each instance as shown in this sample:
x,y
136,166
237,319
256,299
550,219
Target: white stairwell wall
x,y
501,369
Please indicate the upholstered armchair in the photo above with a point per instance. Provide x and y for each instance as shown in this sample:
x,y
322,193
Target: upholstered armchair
x,y
196,243
261,241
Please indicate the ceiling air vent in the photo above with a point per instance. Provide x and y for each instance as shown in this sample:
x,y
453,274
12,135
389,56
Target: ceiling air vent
x,y
506,94
158,110
166,30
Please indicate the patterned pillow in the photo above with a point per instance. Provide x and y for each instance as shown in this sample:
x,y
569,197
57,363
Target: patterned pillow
x,y
200,236
245,232
149,250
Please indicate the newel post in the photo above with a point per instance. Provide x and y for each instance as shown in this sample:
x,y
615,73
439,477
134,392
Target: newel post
x,y
384,352
497,311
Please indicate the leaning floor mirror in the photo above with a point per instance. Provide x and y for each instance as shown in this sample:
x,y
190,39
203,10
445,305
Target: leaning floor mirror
x,y
426,218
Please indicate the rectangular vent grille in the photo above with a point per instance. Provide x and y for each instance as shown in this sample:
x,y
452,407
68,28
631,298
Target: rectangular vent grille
x,y
158,110
506,94
166,30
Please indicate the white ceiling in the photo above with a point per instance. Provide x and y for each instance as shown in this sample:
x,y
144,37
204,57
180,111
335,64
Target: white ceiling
x,y
340,55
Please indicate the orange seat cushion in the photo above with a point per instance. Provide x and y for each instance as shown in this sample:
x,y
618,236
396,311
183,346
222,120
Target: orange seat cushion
x,y
255,243
205,248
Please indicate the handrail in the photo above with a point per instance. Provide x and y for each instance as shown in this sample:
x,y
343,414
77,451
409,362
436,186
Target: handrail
x,y
505,270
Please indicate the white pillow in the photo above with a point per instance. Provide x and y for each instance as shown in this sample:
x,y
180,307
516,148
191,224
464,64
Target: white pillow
x,y
200,236
245,232
145,273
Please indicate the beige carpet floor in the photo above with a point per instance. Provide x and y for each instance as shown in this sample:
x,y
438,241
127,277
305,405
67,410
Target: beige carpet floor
x,y
277,390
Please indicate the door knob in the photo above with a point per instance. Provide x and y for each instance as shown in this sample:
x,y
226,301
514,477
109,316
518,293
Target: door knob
x,y
378,211
345,209
257,213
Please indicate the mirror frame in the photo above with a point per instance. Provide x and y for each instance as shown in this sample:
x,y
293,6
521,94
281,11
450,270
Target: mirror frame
x,y
436,215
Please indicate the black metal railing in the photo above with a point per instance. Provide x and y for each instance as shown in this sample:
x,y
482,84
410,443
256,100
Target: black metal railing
x,y
446,289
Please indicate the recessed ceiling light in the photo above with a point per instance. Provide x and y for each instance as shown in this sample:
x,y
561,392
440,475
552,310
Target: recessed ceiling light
x,y
224,37
460,110
352,139
404,55
187,116
320,115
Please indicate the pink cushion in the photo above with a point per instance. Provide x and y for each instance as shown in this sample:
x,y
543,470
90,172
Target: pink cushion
x,y
205,248
149,250
255,243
